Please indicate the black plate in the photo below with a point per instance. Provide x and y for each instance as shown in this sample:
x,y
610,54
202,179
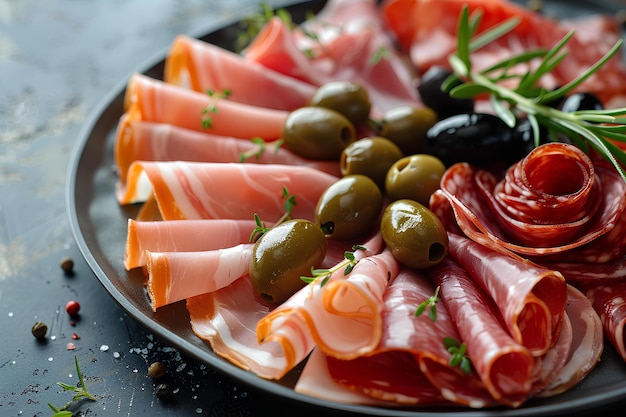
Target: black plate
x,y
99,227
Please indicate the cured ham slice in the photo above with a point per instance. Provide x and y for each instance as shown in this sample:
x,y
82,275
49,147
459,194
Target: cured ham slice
x,y
343,314
506,367
426,29
182,236
202,66
149,141
587,344
151,100
530,298
195,190
176,276
403,334
349,41
534,211
609,301
226,319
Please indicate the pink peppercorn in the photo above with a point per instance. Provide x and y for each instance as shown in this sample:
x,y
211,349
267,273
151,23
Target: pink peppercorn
x,y
72,308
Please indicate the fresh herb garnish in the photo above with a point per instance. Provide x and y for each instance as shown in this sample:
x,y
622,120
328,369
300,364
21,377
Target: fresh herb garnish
x,y
252,25
585,128
207,122
260,149
289,202
431,304
380,54
458,358
347,265
80,393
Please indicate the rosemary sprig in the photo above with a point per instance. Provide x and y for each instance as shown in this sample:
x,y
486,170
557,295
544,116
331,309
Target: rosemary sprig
x,y
458,356
289,202
347,265
585,128
431,304
211,108
80,393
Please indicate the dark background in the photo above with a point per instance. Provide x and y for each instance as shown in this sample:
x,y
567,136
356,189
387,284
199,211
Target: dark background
x,y
58,59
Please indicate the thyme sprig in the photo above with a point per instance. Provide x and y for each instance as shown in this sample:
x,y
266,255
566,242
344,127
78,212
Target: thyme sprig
x,y
289,202
347,265
585,128
431,304
260,148
458,356
254,23
80,393
211,108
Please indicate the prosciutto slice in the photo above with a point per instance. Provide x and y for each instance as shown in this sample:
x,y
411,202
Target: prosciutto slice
x,y
530,298
426,29
202,66
182,236
507,368
349,38
226,319
152,100
344,314
195,190
534,211
149,141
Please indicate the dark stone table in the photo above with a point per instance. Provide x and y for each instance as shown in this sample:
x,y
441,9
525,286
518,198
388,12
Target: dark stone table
x,y
58,58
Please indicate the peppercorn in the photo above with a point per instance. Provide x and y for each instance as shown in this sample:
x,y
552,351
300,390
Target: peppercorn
x,y
163,392
39,330
156,370
67,264
72,308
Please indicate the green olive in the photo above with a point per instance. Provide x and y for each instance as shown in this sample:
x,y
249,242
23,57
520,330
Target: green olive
x,y
371,156
414,177
349,208
406,126
414,234
284,254
317,132
347,98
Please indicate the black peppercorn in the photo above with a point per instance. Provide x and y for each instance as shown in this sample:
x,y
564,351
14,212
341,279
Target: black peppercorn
x,y
39,329
163,392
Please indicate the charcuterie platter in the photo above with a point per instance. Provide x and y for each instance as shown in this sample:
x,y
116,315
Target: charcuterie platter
x,y
100,224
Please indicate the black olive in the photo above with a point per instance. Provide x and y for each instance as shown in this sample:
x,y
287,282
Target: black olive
x,y
478,138
581,101
440,101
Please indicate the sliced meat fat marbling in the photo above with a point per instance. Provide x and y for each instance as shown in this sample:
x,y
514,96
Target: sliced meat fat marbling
x,y
227,319
531,298
149,141
152,100
197,190
182,236
609,301
202,67
506,367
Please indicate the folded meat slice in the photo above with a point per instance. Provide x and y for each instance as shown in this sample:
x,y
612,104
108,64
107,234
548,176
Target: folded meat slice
x,y
227,319
349,42
204,190
153,100
176,276
507,368
202,66
531,298
343,313
182,236
586,346
609,301
149,141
